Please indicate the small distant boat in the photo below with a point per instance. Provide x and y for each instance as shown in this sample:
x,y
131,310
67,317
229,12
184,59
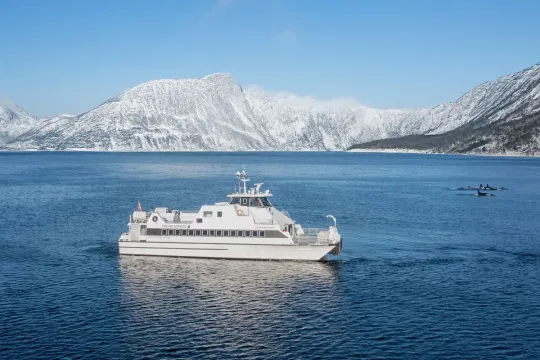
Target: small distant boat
x,y
467,188
489,188
481,187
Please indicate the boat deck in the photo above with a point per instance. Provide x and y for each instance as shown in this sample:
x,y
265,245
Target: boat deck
x,y
313,236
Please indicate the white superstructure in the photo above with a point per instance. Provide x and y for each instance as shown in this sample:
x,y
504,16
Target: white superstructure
x,y
248,226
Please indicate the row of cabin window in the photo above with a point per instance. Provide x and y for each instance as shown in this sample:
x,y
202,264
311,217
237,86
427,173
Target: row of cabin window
x,y
232,233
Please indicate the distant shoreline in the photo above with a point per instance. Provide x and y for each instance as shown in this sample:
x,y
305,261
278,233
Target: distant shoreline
x,y
412,151
376,151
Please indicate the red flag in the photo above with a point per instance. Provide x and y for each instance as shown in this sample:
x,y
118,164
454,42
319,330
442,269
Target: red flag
x,y
139,208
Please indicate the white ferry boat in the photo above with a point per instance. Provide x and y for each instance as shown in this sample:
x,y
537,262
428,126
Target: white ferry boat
x,y
248,226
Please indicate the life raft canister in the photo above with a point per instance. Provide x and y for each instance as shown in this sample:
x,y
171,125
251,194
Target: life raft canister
x,y
154,219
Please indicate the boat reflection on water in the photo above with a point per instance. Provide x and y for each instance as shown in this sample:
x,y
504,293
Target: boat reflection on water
x,y
225,303
222,277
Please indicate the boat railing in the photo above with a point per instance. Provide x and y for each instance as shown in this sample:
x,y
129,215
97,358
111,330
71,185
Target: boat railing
x,y
313,236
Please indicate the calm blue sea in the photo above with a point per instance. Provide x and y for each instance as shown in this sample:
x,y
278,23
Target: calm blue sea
x,y
426,272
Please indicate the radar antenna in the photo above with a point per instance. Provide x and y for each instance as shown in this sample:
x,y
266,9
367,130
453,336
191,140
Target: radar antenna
x,y
242,176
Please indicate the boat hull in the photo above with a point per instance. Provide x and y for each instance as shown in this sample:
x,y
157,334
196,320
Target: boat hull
x,y
226,251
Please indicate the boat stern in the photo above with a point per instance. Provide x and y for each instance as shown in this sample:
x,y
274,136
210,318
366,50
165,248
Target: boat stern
x,y
334,238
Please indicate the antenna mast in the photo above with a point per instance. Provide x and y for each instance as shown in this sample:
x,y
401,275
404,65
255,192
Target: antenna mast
x,y
242,176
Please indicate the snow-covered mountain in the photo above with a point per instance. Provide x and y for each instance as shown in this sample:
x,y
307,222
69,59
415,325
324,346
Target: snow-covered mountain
x,y
496,117
296,123
205,114
14,121
215,113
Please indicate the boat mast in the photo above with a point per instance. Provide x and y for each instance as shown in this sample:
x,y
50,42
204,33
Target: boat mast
x,y
241,175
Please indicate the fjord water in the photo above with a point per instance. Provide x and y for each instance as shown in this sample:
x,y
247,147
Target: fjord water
x,y
426,271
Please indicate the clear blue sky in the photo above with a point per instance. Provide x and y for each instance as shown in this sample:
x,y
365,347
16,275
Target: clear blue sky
x,y
67,56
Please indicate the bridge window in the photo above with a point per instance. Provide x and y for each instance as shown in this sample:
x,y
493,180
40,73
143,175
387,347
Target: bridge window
x,y
244,201
207,214
255,202
266,202
235,201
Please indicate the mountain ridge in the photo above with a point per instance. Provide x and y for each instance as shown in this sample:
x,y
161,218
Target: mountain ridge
x,y
215,113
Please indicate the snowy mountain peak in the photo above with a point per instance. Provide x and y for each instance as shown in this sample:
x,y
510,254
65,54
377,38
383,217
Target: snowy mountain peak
x,y
219,78
14,120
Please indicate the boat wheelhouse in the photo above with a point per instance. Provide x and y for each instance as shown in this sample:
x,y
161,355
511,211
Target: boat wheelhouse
x,y
247,226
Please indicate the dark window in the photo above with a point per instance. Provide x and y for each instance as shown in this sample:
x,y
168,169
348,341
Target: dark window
x,y
163,232
198,232
258,202
235,201
218,232
212,233
266,202
190,232
184,232
177,232
244,201
225,232
246,233
171,232
255,234
153,231
233,232
199,221
219,214
143,230
261,233
207,214
205,232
